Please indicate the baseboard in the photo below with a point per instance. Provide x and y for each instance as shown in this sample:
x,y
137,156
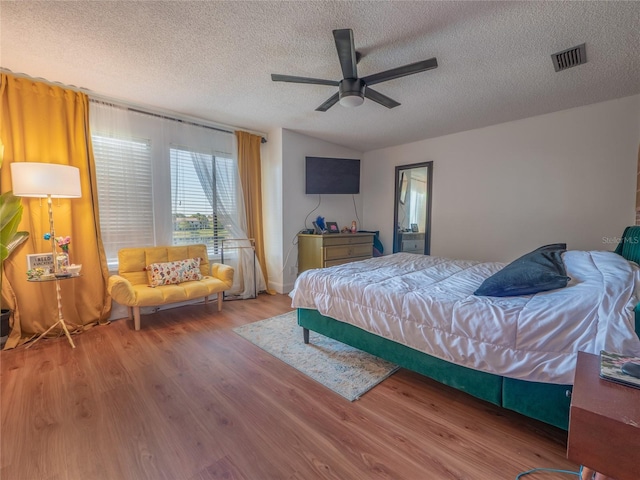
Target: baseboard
x,y
280,287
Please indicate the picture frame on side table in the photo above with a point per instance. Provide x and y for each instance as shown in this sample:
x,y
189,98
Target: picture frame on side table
x,y
40,260
332,227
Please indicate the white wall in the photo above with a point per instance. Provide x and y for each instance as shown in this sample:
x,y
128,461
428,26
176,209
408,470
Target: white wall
x,y
503,190
297,206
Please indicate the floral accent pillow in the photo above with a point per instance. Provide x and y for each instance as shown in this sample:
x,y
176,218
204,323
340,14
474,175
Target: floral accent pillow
x,y
174,272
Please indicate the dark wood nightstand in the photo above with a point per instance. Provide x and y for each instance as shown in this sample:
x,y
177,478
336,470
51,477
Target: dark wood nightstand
x,y
604,423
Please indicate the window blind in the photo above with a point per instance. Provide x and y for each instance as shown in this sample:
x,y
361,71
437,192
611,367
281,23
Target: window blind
x,y
125,193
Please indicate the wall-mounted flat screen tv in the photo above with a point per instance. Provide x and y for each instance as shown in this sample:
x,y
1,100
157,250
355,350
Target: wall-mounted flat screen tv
x,y
332,175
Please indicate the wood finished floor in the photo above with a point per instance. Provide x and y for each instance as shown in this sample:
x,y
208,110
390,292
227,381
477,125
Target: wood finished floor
x,y
186,398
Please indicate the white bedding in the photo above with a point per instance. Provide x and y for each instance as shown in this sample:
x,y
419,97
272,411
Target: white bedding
x,y
427,303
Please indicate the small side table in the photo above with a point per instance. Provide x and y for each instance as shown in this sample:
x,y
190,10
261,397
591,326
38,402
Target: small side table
x,y
59,298
604,423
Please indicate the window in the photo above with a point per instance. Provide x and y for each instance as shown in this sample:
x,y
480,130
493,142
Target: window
x,y
163,181
123,170
202,189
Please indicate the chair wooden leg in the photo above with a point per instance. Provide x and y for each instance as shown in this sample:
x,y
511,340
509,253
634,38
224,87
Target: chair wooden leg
x,y
219,301
206,299
130,312
136,317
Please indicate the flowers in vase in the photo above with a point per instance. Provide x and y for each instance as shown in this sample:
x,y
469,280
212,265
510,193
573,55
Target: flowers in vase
x,y
61,260
63,243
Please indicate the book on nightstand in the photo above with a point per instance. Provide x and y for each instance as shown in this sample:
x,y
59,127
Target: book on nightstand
x,y
611,368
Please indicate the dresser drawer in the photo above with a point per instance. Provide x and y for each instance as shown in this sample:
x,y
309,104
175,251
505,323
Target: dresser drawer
x,y
342,261
330,240
412,236
348,251
412,246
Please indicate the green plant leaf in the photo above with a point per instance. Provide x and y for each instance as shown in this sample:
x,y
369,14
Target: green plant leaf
x,y
18,239
10,207
10,216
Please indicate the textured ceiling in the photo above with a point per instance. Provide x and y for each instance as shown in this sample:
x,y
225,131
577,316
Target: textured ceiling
x,y
213,60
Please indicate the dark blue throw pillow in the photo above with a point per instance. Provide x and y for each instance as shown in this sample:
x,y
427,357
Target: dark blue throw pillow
x,y
537,271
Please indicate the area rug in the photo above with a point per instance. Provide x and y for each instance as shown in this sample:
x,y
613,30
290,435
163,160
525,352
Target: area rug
x,y
345,370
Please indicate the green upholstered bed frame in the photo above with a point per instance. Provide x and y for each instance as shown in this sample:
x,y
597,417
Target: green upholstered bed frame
x,y
542,401
629,248
546,402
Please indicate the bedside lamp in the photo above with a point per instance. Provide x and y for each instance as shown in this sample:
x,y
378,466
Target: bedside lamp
x,y
46,180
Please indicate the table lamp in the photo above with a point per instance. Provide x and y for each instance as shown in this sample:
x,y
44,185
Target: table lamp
x,y
46,180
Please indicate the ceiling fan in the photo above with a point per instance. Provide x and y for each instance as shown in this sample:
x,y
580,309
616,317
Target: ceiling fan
x,y
351,89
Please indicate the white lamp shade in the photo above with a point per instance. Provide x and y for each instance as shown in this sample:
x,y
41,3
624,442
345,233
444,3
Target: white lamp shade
x,y
35,179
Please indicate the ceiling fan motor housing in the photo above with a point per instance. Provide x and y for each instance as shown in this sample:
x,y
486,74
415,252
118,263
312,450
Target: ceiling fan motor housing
x,y
351,92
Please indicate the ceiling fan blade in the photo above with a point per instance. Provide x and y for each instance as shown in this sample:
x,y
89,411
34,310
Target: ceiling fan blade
x,y
380,98
346,52
316,81
329,103
401,71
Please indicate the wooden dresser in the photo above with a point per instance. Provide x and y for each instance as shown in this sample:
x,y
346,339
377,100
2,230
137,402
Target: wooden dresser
x,y
319,251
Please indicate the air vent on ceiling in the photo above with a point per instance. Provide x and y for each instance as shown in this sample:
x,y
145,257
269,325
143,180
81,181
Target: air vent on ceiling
x,y
571,57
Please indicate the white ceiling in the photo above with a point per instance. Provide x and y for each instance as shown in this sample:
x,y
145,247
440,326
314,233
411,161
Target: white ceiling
x,y
213,59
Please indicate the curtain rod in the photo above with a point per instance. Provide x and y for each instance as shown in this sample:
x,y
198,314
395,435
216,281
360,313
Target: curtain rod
x,y
165,117
124,106
139,108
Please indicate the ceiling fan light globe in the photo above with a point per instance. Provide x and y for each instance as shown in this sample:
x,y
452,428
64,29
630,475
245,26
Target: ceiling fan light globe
x,y
351,100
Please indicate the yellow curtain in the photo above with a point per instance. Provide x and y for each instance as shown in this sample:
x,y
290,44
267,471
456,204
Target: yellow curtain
x,y
50,124
249,169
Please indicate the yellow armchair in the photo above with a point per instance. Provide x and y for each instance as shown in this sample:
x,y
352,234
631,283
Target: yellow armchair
x,y
131,286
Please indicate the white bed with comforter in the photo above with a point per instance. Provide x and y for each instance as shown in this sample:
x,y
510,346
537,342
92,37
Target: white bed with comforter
x,y
427,303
